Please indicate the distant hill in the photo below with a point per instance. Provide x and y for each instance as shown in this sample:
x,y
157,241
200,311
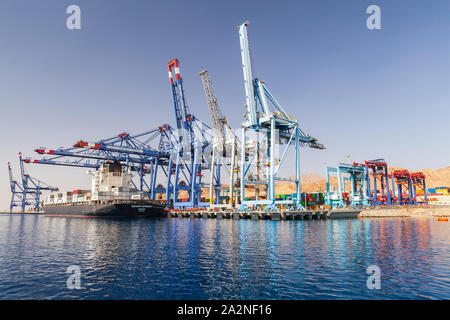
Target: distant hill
x,y
437,177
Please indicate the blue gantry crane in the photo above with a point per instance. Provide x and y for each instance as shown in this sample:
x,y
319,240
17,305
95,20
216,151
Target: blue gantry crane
x,y
27,193
272,128
192,147
356,195
146,154
16,191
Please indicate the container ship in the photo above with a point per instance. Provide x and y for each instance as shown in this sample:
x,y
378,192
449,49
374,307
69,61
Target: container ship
x,y
111,195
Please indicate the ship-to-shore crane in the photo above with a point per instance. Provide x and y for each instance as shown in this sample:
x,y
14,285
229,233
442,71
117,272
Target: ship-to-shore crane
x,y
191,148
224,149
16,191
271,125
28,193
146,154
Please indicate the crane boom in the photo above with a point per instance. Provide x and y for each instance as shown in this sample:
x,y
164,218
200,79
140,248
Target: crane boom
x,y
182,114
217,118
11,180
248,75
224,136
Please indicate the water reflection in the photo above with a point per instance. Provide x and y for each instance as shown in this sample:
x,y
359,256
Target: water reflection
x,y
223,259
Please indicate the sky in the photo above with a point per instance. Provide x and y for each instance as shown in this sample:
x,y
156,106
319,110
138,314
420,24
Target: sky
x,y
364,93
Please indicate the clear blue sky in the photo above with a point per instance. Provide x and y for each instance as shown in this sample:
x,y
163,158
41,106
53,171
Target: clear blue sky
x,y
368,93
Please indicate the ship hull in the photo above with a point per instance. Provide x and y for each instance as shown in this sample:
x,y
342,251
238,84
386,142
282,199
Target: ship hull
x,y
106,210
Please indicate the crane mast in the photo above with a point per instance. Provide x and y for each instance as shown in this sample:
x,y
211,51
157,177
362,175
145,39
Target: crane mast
x,y
248,75
181,111
217,119
224,136
273,127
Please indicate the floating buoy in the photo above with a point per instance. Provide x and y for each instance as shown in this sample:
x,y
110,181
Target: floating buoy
x,y
442,219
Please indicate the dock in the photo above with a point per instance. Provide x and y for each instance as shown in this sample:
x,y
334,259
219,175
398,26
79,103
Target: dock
x,y
267,215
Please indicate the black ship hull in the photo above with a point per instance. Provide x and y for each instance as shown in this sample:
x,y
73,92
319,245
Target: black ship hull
x,y
132,210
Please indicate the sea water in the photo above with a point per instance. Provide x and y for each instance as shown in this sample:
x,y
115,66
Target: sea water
x,y
179,258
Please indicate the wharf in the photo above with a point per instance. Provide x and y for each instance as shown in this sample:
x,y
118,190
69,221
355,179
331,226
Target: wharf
x,y
266,215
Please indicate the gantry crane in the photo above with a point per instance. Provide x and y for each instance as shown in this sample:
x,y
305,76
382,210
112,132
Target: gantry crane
x,y
272,126
408,183
16,191
224,149
146,153
404,185
218,120
356,195
136,152
28,193
418,184
191,148
378,169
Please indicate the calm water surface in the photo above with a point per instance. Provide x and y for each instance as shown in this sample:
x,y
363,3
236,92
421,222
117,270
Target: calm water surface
x,y
223,259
